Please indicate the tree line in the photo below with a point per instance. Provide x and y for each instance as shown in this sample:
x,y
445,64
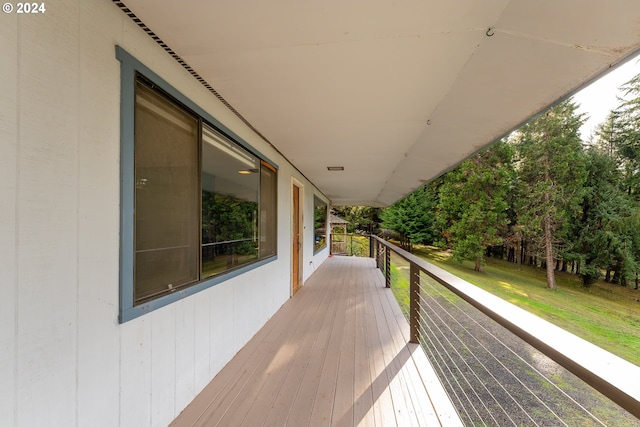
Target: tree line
x,y
541,196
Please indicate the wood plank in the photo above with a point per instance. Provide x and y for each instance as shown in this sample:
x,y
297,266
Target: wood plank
x,y
403,362
343,401
322,411
416,392
335,354
273,404
389,355
363,405
440,402
235,372
243,391
302,406
383,411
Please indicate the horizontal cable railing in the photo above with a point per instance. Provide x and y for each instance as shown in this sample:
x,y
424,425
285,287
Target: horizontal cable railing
x,y
502,365
350,244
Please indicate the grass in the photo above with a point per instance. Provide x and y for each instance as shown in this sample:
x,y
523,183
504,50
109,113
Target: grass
x,y
353,244
400,287
605,314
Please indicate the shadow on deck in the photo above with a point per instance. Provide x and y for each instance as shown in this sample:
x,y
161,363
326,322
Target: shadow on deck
x,y
337,353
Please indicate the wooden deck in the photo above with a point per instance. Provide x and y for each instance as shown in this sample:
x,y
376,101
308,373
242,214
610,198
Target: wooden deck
x,y
336,354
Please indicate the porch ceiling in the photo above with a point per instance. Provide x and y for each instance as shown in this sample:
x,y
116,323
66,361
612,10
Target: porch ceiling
x,y
397,92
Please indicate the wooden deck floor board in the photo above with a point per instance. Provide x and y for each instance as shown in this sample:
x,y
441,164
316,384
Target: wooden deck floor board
x,y
218,397
285,402
363,402
392,359
322,411
336,354
342,414
381,394
257,399
303,403
421,412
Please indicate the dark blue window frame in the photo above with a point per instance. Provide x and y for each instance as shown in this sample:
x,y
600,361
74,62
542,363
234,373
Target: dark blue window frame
x,y
130,67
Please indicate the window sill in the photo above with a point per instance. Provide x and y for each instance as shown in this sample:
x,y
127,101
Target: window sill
x,y
130,313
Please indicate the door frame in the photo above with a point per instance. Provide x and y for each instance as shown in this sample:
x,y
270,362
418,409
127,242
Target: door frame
x,y
297,245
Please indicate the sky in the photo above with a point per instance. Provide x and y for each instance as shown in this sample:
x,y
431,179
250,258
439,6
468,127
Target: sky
x,y
599,98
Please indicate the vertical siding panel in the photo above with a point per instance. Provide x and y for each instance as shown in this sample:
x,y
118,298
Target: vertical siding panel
x,y
250,308
135,373
8,219
243,303
185,352
98,195
202,342
221,320
163,368
47,254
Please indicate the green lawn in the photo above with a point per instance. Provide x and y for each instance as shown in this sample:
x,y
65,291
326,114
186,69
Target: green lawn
x,y
605,314
352,244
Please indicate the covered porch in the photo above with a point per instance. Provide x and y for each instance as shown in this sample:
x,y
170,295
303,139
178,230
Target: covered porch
x,y
337,353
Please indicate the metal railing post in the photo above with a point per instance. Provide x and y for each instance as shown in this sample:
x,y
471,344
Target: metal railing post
x,y
414,303
387,270
561,346
370,246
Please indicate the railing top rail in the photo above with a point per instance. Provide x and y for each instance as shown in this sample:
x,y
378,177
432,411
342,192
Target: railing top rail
x,y
611,375
228,241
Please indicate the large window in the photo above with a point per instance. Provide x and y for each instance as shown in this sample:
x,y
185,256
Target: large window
x,y
166,189
268,220
230,194
201,206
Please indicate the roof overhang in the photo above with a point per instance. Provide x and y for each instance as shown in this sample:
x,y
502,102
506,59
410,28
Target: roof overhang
x,y
397,92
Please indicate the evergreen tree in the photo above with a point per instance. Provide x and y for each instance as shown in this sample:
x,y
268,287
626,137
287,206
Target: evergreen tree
x,y
606,239
551,169
628,134
361,218
412,217
609,134
473,204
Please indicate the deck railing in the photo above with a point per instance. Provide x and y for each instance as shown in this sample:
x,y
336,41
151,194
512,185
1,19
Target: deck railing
x,y
466,354
350,244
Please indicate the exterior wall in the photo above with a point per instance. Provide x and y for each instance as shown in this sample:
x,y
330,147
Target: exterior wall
x,y
64,358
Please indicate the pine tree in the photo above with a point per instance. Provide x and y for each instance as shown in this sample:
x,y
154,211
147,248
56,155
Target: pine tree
x,y
412,217
473,203
628,139
551,169
610,226
607,231
361,218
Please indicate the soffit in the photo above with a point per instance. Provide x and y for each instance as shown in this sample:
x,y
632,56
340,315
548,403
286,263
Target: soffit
x,y
397,92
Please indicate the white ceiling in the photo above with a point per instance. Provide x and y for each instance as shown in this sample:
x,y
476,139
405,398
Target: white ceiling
x,y
395,91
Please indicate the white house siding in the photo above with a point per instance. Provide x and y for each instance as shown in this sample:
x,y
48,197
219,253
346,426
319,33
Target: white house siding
x,y
64,358
8,207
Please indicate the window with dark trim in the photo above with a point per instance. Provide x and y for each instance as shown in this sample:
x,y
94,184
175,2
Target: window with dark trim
x,y
230,200
166,189
268,201
319,224
198,205
177,157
